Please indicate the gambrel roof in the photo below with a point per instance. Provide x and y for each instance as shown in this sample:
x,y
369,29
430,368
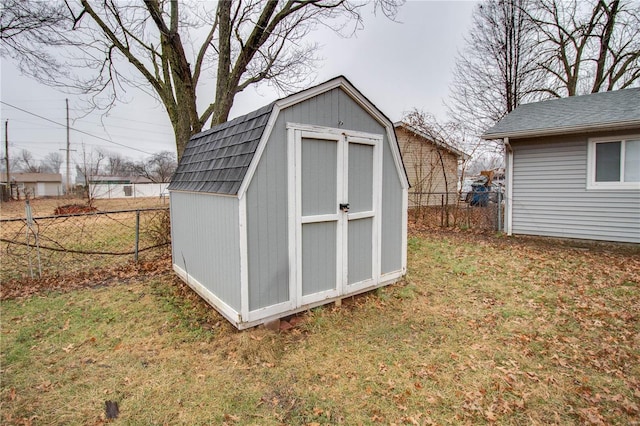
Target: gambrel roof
x,y
219,160
615,110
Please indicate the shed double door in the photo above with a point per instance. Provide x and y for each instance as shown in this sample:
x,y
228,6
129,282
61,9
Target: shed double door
x,y
337,180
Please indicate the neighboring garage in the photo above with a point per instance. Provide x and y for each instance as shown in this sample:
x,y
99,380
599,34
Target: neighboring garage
x,y
573,167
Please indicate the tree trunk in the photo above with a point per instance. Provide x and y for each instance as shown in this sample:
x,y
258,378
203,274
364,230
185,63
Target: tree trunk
x,y
182,130
605,42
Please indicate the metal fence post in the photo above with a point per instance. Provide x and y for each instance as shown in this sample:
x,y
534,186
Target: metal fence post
x,y
499,211
135,256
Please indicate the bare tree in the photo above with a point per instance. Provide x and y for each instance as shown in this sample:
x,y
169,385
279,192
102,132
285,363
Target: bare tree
x,y
159,167
525,50
89,167
587,46
440,166
25,26
26,163
484,161
245,41
496,71
118,165
52,162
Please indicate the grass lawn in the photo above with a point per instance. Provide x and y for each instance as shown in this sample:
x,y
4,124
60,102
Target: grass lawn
x,y
82,242
46,206
483,330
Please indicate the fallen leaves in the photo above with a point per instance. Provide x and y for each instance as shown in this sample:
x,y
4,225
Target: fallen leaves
x,y
550,337
88,278
231,418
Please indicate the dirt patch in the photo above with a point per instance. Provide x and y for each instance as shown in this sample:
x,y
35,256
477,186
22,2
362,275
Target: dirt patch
x,y
73,209
46,206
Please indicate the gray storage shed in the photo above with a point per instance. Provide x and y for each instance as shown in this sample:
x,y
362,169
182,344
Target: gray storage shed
x,y
297,204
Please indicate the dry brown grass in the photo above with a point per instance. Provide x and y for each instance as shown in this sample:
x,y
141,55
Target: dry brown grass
x,y
46,206
483,330
70,244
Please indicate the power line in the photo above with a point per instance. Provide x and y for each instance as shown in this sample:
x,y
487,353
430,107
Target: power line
x,y
74,129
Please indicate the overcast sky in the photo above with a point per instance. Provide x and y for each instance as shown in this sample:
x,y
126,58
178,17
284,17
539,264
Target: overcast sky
x,y
397,65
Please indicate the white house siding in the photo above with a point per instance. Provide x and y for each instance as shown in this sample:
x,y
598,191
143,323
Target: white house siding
x,y
134,190
48,189
206,245
550,196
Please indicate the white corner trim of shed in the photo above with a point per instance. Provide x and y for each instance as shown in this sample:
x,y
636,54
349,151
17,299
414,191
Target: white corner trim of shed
x,y
297,204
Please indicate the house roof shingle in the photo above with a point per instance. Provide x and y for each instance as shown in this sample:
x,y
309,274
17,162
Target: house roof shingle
x,y
23,177
618,109
442,144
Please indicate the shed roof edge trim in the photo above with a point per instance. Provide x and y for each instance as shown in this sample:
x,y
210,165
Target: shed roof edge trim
x,y
257,155
215,194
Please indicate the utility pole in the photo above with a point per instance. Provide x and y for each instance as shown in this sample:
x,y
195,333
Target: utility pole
x,y
6,154
68,146
68,189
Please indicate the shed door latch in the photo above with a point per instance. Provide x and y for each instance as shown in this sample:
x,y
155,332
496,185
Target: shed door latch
x,y
344,207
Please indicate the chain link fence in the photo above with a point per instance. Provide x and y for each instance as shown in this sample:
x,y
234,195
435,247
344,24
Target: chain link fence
x,y
61,244
479,210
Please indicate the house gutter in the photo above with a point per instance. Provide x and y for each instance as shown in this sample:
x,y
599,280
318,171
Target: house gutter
x,y
621,125
509,186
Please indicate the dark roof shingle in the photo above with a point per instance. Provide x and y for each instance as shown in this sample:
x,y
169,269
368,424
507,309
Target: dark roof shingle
x,y
217,159
596,111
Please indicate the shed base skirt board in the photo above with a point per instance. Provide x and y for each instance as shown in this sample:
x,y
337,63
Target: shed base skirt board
x,y
225,310
236,319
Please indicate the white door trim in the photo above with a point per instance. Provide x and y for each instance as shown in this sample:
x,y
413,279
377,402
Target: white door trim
x,y
295,133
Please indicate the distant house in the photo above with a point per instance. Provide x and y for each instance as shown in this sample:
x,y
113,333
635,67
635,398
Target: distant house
x,y
432,166
105,186
34,185
573,167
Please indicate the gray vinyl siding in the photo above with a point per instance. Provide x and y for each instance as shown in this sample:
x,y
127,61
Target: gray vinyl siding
x,y
391,215
550,196
205,238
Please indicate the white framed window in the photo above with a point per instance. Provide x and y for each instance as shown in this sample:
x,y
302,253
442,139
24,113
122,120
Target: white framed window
x,y
614,163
